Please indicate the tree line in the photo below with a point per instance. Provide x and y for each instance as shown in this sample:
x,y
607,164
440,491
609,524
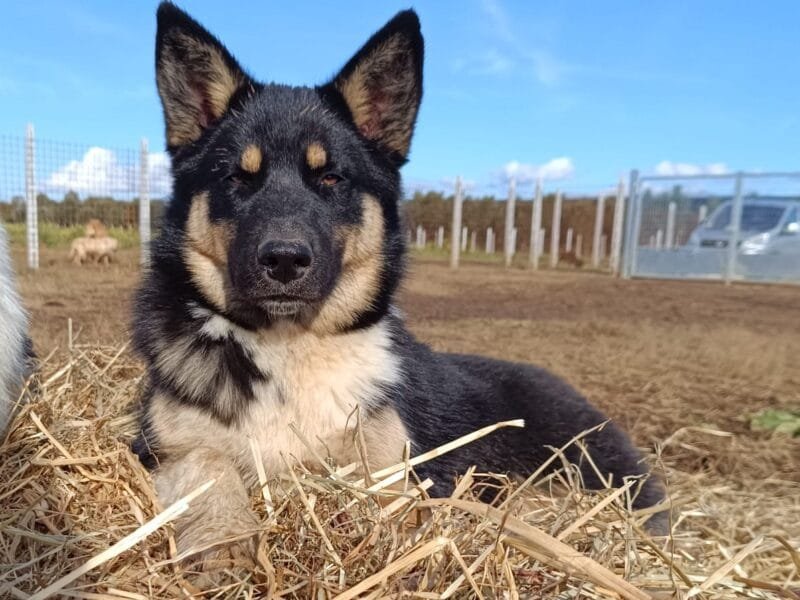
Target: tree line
x,y
73,210
427,209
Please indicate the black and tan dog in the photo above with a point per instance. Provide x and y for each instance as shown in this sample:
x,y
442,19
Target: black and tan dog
x,y
269,300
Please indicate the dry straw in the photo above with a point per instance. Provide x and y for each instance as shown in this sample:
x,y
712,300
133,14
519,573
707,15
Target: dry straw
x,y
80,519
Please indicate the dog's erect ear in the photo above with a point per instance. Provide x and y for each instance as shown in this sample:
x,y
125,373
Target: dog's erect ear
x,y
196,75
382,84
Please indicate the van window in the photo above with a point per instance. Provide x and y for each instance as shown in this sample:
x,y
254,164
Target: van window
x,y
755,217
793,221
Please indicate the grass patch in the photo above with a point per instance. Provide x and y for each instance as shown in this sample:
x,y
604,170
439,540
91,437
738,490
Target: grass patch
x,y
58,236
521,259
779,421
443,254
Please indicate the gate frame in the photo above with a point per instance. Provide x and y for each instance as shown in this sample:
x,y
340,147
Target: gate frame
x,y
633,218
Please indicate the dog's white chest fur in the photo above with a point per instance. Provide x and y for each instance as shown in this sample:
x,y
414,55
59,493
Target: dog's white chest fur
x,y
316,384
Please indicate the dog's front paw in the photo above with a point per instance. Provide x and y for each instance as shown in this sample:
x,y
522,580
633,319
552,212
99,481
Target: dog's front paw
x,y
223,564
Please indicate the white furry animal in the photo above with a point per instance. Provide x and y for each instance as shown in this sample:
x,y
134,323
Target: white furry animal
x,y
96,229
99,249
14,343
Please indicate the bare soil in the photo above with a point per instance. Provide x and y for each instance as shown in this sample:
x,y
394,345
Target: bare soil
x,y
658,356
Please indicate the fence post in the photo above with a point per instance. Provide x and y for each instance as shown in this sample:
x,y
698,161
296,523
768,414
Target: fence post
x,y
508,242
473,241
144,205
440,237
31,204
455,234
578,246
598,230
568,241
736,223
536,226
702,213
630,228
616,231
669,242
464,236
555,232
514,240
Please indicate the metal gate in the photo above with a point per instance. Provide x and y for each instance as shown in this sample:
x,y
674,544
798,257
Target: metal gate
x,y
731,227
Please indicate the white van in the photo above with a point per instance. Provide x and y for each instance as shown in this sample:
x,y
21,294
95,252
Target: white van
x,y
768,227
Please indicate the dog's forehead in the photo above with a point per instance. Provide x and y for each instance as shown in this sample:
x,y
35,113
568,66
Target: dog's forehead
x,y
294,111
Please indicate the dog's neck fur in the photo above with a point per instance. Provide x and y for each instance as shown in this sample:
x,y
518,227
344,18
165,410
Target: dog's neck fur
x,y
200,357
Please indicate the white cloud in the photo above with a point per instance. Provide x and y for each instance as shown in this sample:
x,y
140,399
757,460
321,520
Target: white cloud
x,y
545,67
97,170
501,24
548,69
101,172
493,62
556,168
158,167
666,167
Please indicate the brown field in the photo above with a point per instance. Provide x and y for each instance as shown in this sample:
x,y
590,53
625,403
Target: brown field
x,y
656,355
681,365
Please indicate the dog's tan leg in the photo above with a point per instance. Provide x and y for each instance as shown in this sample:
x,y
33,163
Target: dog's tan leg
x,y
223,512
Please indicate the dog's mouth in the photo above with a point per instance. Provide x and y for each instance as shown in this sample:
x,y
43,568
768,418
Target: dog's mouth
x,y
283,309
283,305
262,308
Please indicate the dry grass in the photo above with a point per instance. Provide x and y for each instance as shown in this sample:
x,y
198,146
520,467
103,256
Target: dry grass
x,y
80,515
681,366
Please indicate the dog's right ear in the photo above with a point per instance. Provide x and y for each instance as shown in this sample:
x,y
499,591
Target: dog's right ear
x,y
196,75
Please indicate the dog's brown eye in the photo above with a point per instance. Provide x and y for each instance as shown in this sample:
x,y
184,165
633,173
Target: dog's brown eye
x,y
330,179
240,178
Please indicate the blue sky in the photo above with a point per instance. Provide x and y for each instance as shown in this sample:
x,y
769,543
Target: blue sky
x,y
578,92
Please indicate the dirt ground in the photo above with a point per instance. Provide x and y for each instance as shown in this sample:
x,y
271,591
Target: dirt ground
x,y
660,357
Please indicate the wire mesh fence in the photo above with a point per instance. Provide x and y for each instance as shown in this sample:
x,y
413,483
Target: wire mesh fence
x,y
569,226
739,226
52,189
78,182
70,184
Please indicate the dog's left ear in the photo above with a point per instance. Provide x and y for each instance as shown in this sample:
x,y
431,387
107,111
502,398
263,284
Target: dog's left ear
x,y
382,85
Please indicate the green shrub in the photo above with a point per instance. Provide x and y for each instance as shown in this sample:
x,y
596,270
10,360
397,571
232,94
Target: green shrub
x,y
57,236
780,421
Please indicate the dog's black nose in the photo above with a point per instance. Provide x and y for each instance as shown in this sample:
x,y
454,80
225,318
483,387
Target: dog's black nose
x,y
285,261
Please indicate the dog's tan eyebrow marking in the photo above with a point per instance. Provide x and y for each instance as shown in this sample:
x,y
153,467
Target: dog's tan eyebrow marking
x,y
316,157
251,159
